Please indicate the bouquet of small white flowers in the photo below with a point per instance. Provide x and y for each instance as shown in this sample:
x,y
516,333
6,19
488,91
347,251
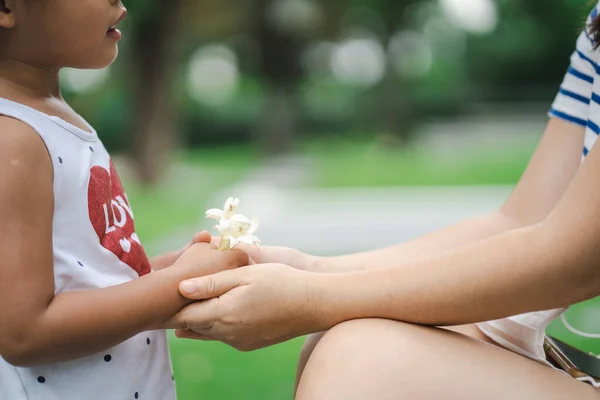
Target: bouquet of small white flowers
x,y
233,228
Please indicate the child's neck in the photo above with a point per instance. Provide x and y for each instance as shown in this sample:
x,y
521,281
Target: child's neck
x,y
23,81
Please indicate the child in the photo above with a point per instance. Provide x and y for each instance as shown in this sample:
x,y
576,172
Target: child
x,y
77,296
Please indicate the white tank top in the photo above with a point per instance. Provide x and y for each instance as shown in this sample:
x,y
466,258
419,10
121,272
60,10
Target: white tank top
x,y
95,246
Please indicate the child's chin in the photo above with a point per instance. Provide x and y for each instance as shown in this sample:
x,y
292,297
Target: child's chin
x,y
100,61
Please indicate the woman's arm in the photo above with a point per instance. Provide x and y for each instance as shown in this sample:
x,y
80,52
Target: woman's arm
x,y
547,265
546,178
550,264
39,327
542,265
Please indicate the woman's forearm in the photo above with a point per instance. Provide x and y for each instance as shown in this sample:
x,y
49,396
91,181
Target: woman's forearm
x,y
520,271
445,239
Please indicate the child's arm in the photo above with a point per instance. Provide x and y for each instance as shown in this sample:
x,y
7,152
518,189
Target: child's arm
x,y
37,326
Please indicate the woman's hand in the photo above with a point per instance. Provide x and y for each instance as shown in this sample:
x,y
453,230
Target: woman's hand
x,y
279,255
252,307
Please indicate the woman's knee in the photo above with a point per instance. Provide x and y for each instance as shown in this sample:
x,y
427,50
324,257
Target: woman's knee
x,y
355,351
371,332
307,349
311,342
372,339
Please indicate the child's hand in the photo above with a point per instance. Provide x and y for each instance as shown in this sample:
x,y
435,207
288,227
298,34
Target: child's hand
x,y
199,237
168,259
202,258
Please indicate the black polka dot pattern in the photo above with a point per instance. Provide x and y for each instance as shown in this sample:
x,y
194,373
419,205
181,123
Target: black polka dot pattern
x,y
91,149
136,395
147,341
107,358
60,160
80,264
41,379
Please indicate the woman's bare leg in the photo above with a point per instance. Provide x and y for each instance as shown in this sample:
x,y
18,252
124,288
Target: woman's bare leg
x,y
309,346
313,339
380,359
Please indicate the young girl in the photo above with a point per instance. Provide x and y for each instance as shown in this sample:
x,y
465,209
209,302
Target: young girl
x,y
77,296
487,281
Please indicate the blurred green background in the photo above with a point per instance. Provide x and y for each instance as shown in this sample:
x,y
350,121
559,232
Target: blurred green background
x,y
374,94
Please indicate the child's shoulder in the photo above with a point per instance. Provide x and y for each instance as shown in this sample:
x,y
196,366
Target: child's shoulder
x,y
21,147
17,134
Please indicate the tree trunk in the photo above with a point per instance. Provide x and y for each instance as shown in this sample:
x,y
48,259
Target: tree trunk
x,y
281,72
397,112
278,121
154,128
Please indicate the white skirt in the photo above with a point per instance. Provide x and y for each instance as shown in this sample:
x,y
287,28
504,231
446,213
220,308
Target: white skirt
x,y
523,334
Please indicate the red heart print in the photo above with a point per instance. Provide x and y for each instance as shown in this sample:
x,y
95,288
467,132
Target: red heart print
x,y
112,218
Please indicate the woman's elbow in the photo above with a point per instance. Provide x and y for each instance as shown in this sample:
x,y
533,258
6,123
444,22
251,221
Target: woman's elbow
x,y
586,284
579,258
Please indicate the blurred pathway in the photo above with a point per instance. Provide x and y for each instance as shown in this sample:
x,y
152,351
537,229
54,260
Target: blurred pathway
x,y
333,221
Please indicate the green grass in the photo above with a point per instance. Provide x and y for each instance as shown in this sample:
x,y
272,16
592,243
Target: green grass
x,y
584,317
207,370
362,163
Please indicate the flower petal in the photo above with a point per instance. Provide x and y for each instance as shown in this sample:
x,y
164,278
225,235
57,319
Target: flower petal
x,y
254,224
256,240
215,213
224,225
241,219
231,205
233,242
238,229
249,240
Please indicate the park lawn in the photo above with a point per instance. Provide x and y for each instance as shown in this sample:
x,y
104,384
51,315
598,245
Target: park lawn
x,y
208,370
361,163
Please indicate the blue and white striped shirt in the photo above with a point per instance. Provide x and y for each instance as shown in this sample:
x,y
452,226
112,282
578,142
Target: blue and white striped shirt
x,y
578,100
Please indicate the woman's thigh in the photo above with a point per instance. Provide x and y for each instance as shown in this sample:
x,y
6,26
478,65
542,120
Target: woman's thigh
x,y
313,339
381,359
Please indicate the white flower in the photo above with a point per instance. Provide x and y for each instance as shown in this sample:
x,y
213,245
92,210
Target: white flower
x,y
242,231
227,212
233,228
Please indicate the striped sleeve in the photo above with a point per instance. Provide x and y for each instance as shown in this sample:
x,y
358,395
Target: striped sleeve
x,y
573,99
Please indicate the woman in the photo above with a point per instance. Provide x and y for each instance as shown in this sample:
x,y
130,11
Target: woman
x,y
382,311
